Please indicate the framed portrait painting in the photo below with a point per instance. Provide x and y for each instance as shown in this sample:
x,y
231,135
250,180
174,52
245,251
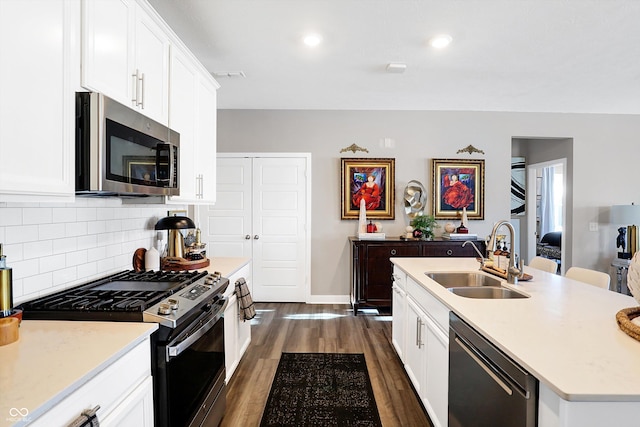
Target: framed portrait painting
x,y
458,184
371,180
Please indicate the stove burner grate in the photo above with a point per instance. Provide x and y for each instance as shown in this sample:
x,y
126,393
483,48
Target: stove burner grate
x,y
128,291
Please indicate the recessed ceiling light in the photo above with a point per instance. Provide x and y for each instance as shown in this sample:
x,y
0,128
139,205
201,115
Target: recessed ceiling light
x,y
396,67
440,41
312,40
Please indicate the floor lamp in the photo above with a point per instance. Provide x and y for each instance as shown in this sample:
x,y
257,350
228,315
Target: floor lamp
x,y
626,214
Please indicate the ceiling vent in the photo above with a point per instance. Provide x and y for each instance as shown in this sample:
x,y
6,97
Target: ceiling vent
x,y
230,74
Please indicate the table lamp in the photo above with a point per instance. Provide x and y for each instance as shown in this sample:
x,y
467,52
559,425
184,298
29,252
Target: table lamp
x,y
176,241
626,214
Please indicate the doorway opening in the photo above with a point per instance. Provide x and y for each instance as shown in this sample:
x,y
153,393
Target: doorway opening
x,y
548,199
549,180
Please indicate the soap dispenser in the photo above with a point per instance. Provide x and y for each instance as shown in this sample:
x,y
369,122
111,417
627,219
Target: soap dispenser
x,y
6,287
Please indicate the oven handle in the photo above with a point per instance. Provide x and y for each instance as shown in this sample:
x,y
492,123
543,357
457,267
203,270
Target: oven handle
x,y
175,350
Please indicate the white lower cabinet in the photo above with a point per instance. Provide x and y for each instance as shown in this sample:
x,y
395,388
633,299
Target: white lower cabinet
x,y
399,322
426,351
123,390
237,332
415,352
436,388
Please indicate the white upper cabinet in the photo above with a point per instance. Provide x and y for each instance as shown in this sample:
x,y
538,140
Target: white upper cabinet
x,y
192,113
38,80
125,55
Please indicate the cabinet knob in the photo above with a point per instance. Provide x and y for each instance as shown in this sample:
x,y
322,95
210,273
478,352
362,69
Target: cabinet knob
x,y
248,237
449,252
393,251
256,237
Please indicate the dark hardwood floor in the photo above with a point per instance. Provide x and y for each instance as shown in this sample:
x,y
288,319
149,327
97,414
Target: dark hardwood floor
x,y
282,327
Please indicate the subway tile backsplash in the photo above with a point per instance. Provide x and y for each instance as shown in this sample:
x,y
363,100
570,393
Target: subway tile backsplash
x,y
51,247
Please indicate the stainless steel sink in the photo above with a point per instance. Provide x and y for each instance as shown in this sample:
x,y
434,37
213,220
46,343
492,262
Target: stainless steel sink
x,y
474,285
487,292
462,280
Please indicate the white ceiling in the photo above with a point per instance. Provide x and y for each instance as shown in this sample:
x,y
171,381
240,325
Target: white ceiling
x,y
506,55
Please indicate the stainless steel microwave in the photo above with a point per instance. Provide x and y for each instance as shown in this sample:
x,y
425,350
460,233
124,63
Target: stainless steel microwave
x,y
120,152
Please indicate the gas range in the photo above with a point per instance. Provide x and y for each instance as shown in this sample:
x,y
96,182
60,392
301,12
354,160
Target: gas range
x,y
165,297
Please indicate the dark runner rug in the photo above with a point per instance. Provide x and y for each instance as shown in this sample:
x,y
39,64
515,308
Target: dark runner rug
x,y
321,389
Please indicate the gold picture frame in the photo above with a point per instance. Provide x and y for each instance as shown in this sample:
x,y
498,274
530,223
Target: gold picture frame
x,y
372,180
458,184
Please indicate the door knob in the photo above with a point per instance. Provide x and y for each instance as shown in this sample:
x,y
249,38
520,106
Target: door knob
x,y
248,237
256,237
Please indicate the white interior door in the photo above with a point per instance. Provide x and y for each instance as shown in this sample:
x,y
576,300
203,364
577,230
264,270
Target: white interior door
x,y
226,226
261,213
279,245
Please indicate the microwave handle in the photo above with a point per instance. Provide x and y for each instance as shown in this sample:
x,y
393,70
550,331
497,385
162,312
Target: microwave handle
x,y
173,164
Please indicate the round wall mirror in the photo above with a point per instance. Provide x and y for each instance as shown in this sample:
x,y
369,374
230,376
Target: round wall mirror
x,y
415,198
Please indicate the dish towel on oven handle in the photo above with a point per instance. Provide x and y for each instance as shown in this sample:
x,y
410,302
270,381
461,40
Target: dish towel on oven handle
x,y
88,418
245,302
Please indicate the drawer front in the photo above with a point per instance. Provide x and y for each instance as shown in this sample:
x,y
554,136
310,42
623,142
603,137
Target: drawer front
x,y
438,312
399,278
108,389
450,249
387,251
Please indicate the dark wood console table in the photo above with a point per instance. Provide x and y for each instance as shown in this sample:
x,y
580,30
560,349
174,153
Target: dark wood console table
x,y
371,273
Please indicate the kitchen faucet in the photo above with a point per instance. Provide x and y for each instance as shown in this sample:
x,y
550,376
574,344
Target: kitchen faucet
x,y
482,258
512,272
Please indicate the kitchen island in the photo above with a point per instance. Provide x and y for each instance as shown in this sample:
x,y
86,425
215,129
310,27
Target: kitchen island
x,y
57,369
565,334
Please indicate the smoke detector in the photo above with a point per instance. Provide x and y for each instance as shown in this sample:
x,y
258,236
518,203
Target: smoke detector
x,y
396,67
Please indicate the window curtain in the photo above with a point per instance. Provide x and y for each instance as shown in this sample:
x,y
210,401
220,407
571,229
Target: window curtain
x,y
547,209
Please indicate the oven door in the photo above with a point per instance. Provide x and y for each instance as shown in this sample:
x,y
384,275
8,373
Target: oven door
x,y
193,374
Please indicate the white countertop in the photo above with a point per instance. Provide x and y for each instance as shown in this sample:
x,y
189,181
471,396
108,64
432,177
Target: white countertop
x,y
51,359
565,334
227,265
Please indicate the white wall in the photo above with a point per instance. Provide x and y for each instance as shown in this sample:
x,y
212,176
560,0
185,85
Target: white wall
x,y
605,156
54,246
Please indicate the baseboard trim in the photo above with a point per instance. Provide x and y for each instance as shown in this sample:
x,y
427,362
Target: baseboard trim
x,y
329,299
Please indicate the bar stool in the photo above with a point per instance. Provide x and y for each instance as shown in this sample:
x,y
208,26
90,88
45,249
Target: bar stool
x,y
544,264
592,277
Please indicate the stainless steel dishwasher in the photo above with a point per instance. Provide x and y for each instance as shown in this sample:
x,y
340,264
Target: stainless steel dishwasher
x,y
486,388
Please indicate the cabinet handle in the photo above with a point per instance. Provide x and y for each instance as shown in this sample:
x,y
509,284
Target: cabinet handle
x,y
419,324
134,88
199,186
142,90
393,251
248,237
449,252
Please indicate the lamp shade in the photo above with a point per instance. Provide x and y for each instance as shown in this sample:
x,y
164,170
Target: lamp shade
x,y
174,222
625,214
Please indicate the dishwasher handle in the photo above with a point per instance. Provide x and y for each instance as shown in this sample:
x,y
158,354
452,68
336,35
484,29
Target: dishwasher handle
x,y
470,351
493,371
